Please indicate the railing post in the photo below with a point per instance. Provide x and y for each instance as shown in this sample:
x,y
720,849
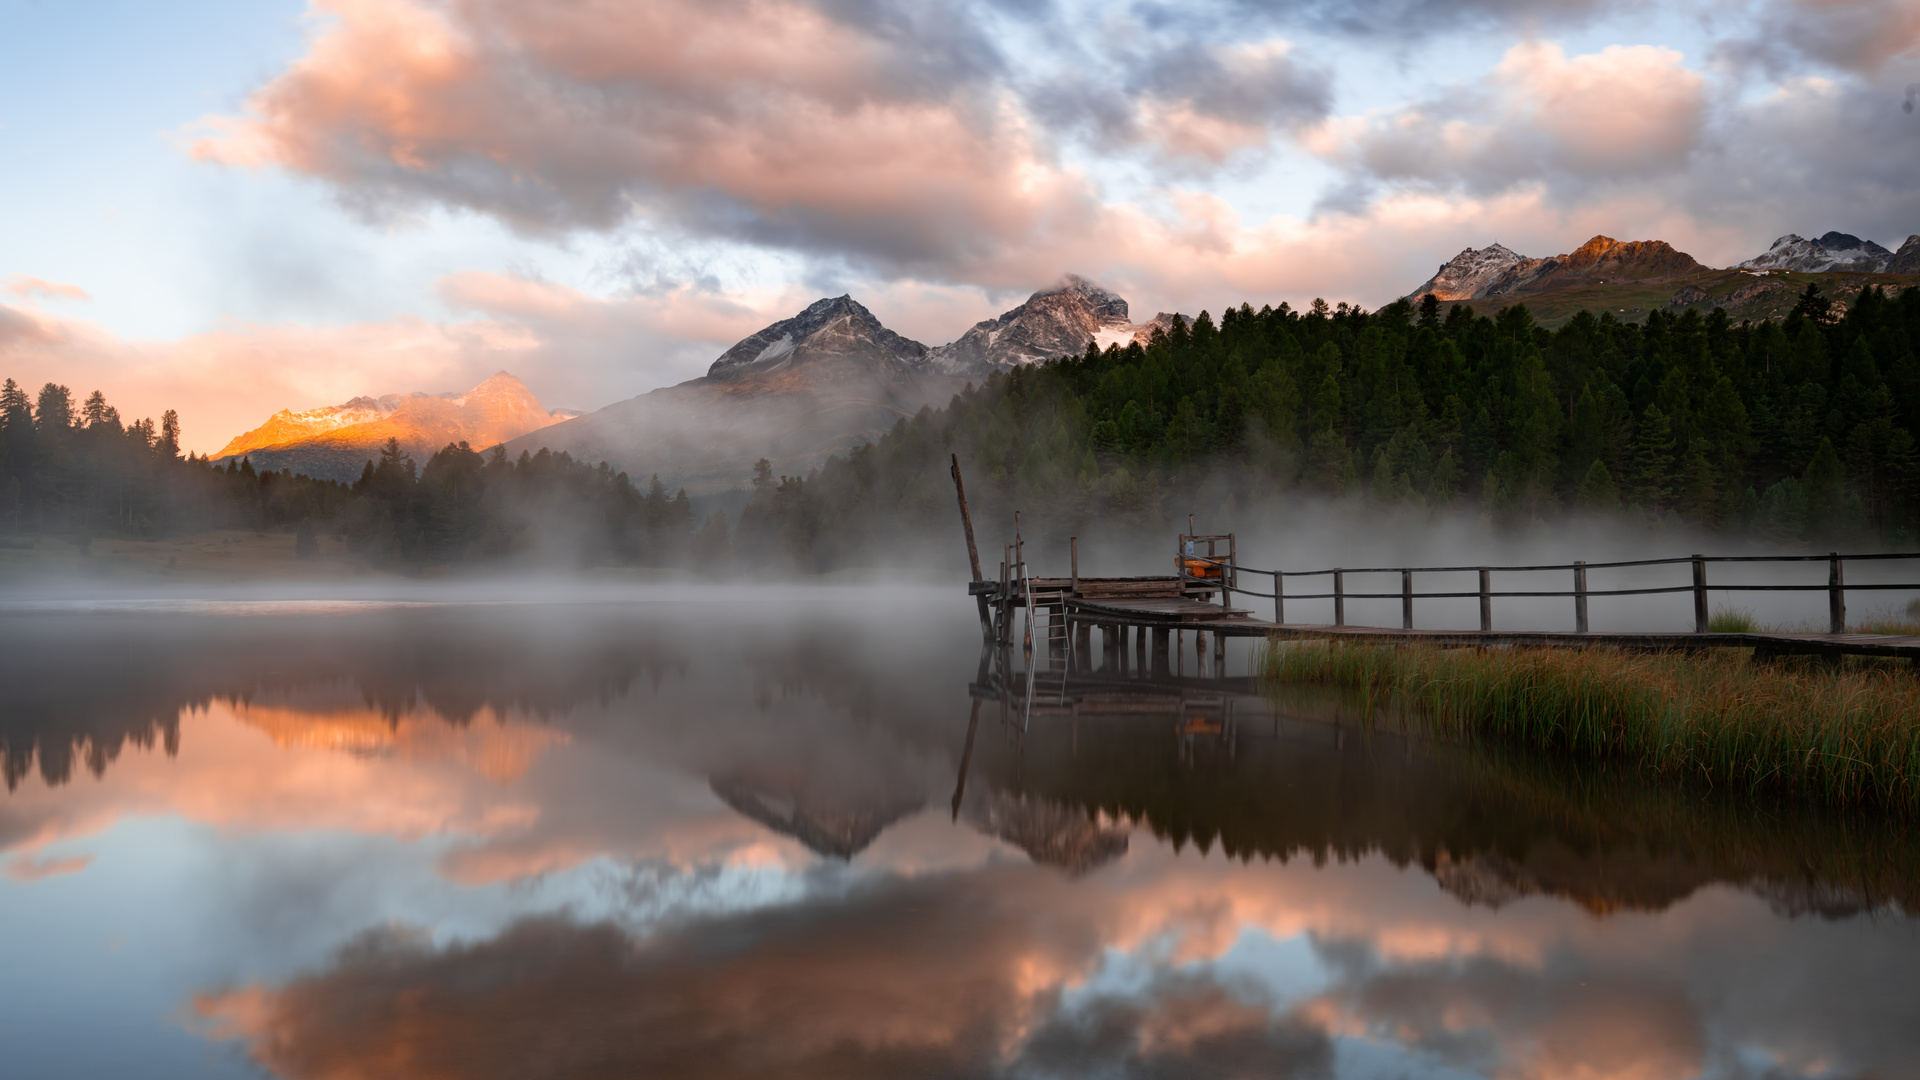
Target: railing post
x,y
1279,609
1836,595
1486,600
1406,599
1339,598
1699,594
1580,596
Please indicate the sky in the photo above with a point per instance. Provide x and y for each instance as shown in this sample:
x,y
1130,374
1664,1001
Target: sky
x,y
230,208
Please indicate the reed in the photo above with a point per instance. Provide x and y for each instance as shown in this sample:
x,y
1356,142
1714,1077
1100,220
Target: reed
x,y
1845,736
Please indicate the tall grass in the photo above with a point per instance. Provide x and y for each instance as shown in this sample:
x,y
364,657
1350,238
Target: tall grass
x,y
1847,737
1732,621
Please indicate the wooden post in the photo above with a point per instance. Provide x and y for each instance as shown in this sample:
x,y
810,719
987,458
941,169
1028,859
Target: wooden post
x,y
1140,649
1279,608
1200,653
1701,618
1580,596
1082,644
1019,549
1339,598
1006,598
1836,595
1486,600
966,519
1073,546
1406,599
1159,650
1220,657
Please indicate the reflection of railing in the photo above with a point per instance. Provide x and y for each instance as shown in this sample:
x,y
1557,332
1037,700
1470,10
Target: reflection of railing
x,y
1836,588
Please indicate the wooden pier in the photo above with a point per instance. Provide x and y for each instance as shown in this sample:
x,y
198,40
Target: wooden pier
x,y
1055,617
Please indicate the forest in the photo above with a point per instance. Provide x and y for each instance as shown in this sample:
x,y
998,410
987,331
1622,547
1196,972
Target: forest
x,y
79,473
1783,434
1780,434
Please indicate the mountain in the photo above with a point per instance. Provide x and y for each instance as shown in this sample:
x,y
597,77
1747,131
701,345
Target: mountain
x,y
797,392
336,441
1836,251
1466,274
1600,261
1054,322
1907,259
1498,272
822,382
838,333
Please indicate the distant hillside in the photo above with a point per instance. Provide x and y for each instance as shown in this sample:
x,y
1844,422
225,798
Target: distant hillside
x,y
335,442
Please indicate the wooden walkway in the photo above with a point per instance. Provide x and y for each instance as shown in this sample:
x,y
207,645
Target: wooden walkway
x,y
1168,604
1061,613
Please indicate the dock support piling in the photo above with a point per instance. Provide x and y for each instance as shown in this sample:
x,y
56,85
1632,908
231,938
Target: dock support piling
x,y
1486,600
1836,595
1200,653
1406,599
1140,650
1339,597
1160,651
1279,611
1580,596
1219,656
1700,594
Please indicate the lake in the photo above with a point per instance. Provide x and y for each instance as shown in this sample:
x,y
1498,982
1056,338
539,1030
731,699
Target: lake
x,y
789,831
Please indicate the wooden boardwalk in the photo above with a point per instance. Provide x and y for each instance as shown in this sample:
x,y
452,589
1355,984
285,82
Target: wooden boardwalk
x,y
1057,615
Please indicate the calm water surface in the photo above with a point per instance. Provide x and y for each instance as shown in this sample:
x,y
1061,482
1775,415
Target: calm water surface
x,y
791,833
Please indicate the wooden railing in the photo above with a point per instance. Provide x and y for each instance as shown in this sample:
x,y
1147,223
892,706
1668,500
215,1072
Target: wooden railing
x,y
1836,587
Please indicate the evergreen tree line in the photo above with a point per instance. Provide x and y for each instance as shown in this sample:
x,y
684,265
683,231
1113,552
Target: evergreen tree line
x,y
1779,434
80,472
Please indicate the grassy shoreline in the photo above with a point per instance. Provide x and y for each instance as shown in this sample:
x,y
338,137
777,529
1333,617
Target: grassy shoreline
x,y
1846,737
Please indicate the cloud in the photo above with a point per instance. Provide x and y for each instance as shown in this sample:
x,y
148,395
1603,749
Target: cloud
x,y
1861,36
574,350
27,288
772,121
1188,102
1540,117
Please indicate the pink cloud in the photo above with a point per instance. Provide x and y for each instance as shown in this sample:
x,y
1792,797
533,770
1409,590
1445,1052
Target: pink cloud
x,y
26,288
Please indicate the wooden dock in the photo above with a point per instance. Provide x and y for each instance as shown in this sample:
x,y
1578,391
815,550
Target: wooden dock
x,y
1056,616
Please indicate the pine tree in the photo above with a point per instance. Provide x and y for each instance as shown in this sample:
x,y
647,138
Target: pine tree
x,y
1597,492
1652,485
1825,485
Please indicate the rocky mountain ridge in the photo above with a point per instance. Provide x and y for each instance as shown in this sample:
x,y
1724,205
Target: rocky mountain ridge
x,y
1499,272
1051,323
1837,252
825,380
